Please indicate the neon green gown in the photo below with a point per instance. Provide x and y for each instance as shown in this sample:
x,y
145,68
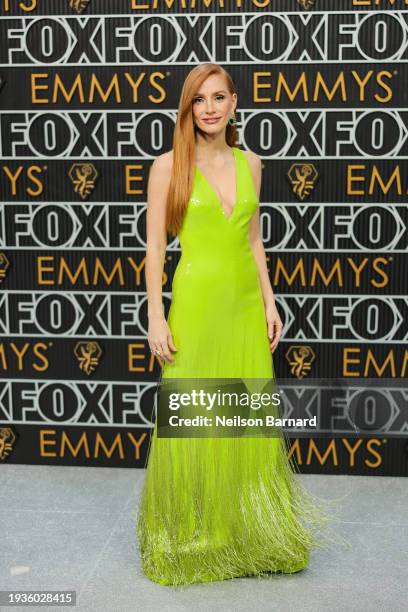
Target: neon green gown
x,y
218,508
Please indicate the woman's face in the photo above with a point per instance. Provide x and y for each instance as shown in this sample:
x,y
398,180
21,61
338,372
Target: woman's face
x,y
213,105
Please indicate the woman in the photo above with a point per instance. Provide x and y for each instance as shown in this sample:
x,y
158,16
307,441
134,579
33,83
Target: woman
x,y
214,508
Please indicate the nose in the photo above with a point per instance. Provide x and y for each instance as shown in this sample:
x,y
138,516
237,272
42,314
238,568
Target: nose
x,y
209,108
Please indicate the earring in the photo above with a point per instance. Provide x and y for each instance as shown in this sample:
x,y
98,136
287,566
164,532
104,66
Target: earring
x,y
232,120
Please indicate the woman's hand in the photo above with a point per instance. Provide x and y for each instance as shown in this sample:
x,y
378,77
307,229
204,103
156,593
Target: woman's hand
x,y
160,338
274,326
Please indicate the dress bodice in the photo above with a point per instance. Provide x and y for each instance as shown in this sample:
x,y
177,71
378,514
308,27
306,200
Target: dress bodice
x,y
205,221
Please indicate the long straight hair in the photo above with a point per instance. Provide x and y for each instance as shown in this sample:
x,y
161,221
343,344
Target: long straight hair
x,y
182,174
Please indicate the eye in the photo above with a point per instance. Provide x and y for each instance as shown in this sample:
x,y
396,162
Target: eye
x,y
221,96
196,99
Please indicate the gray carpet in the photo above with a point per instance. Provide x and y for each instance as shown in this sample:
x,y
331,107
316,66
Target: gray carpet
x,y
73,529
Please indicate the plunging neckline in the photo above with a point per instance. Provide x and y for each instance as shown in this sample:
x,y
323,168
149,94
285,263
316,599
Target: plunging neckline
x,y
215,192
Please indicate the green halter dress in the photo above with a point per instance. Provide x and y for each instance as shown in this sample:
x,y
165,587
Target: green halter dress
x,y
218,508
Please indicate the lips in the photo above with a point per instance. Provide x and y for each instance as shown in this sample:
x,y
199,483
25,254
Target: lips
x,y
211,120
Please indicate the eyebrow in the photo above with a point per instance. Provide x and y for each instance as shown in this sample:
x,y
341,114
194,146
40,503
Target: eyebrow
x,y
216,92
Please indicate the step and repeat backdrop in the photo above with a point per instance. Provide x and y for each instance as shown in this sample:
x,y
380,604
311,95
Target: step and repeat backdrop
x,y
88,98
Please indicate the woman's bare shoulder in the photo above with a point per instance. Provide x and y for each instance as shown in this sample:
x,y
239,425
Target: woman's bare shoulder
x,y
162,164
252,157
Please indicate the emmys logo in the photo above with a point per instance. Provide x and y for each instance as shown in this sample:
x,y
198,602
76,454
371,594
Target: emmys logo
x,y
83,177
303,178
78,5
88,355
300,359
306,4
4,266
7,440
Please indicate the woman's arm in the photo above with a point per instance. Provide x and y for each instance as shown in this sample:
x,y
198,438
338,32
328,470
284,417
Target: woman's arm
x,y
159,334
272,316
